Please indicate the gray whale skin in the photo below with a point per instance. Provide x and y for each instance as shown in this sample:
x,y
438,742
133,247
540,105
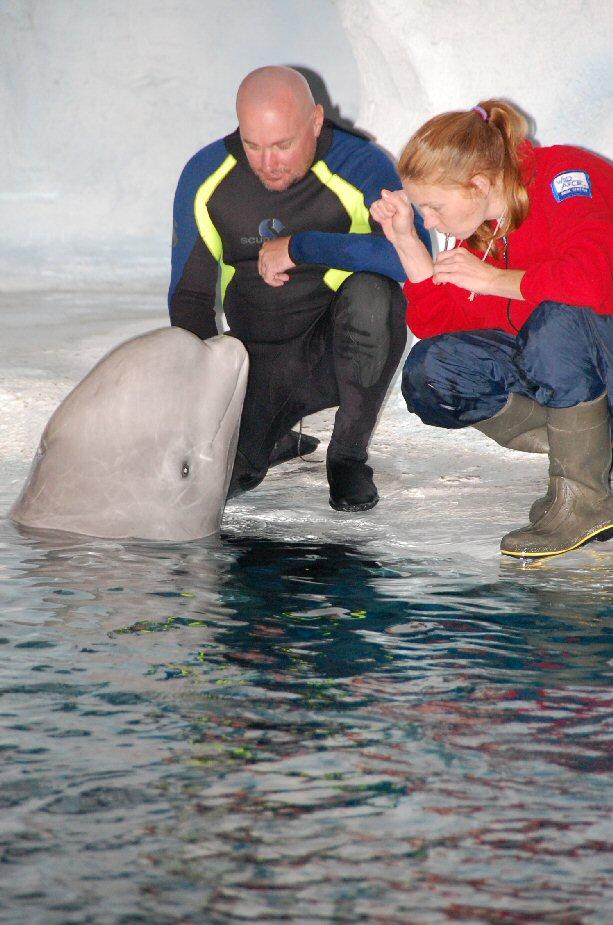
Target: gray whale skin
x,y
143,446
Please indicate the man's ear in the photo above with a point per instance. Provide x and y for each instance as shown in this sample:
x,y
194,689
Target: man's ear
x,y
318,119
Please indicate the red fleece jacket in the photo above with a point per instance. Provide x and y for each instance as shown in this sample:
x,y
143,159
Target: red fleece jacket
x,y
565,246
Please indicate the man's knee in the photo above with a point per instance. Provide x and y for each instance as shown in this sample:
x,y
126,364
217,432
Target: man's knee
x,y
369,325
372,302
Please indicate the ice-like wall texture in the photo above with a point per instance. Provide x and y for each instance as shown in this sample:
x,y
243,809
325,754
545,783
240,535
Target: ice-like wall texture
x,y
103,101
421,57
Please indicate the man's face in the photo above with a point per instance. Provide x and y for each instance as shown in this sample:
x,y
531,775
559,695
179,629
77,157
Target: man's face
x,y
280,143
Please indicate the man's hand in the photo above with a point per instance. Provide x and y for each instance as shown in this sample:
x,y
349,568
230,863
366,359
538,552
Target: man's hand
x,y
274,261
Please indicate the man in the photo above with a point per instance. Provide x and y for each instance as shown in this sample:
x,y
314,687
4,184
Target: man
x,y
317,337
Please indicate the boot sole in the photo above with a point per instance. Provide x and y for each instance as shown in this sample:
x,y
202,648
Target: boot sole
x,y
602,535
352,508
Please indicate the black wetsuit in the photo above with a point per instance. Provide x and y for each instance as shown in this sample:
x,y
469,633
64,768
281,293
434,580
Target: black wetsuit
x,y
325,338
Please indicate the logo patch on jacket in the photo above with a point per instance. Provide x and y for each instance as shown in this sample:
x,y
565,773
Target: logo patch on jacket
x,y
270,228
571,183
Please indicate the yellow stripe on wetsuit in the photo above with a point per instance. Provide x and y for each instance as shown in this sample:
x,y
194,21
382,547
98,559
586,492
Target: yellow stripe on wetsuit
x,y
207,229
352,200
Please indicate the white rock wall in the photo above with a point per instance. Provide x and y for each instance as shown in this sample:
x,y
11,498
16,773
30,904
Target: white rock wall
x,y
103,101
421,57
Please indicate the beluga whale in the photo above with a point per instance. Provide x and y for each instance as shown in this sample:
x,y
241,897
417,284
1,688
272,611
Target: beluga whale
x,y
143,446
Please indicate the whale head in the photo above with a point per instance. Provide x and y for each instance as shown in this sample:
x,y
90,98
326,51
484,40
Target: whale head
x,y
143,446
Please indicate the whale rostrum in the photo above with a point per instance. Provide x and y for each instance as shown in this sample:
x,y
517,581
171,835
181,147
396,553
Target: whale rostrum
x,y
143,446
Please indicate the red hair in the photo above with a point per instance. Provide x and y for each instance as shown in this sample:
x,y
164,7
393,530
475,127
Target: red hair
x,y
452,148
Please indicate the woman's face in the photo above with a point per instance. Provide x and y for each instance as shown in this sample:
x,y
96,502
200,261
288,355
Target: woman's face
x,y
450,210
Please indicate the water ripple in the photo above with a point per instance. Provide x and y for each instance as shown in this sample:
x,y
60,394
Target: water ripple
x,y
266,732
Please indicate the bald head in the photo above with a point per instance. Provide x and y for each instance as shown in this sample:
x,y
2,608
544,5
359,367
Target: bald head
x,y
274,87
279,125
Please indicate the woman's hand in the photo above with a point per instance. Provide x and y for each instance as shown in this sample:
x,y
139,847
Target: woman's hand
x,y
274,261
394,213
463,269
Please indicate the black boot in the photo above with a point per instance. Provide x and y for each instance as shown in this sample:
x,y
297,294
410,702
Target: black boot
x,y
292,445
369,336
351,484
244,476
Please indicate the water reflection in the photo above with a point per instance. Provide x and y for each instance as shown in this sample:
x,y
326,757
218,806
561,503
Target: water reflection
x,y
259,731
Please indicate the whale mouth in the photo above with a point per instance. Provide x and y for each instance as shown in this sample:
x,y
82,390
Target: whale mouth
x,y
228,349
232,398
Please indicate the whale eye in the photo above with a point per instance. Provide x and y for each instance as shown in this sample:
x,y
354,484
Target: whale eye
x,y
184,470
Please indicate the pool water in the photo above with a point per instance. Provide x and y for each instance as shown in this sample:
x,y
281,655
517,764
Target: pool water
x,y
258,730
318,718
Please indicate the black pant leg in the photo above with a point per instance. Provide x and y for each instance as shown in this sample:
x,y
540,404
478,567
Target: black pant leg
x,y
268,399
368,339
348,358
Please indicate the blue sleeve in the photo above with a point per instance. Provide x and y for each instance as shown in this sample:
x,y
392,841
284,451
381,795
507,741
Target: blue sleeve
x,y
185,232
370,170
358,252
363,164
191,296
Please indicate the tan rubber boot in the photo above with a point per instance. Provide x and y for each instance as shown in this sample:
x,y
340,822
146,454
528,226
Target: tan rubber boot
x,y
581,508
541,505
520,425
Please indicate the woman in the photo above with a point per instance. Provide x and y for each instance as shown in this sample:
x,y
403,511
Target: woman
x,y
516,320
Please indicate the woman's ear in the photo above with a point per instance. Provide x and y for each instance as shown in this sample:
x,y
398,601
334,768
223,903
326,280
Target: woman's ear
x,y
481,184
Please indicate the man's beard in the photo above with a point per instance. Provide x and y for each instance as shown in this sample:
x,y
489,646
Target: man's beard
x,y
290,177
293,176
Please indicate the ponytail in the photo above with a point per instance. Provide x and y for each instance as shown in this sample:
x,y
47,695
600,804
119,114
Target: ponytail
x,y
453,147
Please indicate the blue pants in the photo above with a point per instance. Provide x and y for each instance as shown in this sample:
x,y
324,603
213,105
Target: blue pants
x,y
562,356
